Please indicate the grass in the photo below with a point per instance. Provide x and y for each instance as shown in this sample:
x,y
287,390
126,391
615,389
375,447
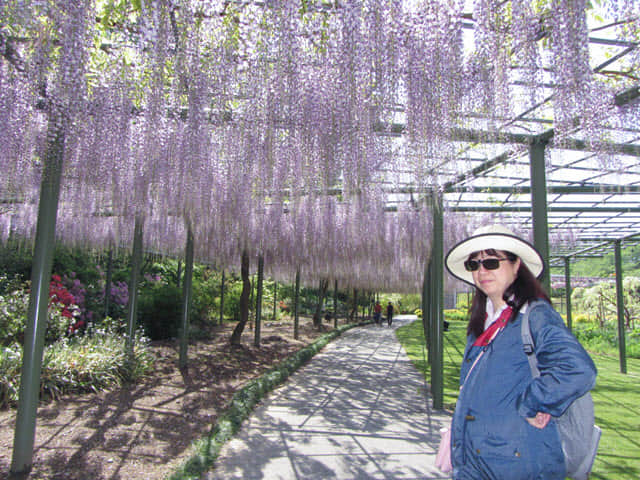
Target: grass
x,y
617,404
616,398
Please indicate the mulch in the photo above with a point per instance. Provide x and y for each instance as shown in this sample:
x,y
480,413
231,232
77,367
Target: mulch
x,y
144,431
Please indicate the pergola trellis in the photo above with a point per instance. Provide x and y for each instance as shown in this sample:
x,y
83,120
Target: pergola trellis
x,y
573,192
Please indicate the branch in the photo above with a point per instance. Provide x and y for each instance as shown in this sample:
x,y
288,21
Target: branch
x,y
8,51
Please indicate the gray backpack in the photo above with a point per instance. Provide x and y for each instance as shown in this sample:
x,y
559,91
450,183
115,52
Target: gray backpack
x,y
579,434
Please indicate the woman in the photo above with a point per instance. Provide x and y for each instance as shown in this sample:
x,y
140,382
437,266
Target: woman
x,y
502,426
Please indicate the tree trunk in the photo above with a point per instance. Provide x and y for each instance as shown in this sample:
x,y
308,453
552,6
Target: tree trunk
x,y
354,310
322,292
244,299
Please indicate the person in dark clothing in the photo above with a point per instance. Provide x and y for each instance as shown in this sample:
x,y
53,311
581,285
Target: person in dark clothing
x,y
389,313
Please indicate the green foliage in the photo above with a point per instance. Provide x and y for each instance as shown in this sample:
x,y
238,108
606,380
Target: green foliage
x,y
604,339
10,364
581,318
13,316
205,305
455,314
15,264
88,363
463,302
410,302
76,262
13,312
600,301
159,310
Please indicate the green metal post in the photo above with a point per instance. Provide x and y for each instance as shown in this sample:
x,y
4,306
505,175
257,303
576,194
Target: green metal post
x,y
539,206
186,300
252,296
107,285
425,304
437,373
275,301
622,343
256,340
134,279
355,304
430,308
335,304
25,429
222,298
567,288
296,299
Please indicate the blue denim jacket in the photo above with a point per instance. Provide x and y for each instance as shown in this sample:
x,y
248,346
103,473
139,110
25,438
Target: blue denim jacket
x,y
490,437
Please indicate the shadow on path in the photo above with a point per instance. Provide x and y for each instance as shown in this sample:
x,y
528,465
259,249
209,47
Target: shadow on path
x,y
358,410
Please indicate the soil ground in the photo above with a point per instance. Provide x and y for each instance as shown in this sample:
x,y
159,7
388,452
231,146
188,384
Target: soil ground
x,y
144,431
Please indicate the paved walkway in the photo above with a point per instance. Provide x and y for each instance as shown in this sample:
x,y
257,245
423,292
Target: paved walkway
x,y
359,409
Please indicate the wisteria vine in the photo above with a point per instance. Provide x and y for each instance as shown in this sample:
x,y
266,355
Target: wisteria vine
x,y
267,127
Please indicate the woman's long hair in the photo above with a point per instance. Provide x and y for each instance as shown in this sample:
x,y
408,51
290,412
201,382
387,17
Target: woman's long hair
x,y
523,289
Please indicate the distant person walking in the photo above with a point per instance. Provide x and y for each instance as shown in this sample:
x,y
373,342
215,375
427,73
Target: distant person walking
x,y
377,313
389,313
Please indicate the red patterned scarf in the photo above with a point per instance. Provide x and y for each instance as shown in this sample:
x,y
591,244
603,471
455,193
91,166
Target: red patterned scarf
x,y
485,338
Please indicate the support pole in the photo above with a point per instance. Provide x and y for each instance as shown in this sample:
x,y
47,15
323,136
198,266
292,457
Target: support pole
x,y
355,304
425,305
437,372
567,288
25,429
134,279
275,301
539,206
186,300
430,308
335,304
622,343
222,298
252,297
256,339
296,299
107,285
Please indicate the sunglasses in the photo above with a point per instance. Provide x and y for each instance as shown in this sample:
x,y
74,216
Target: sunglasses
x,y
487,263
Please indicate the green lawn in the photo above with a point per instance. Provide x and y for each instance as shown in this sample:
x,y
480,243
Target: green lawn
x,y
616,397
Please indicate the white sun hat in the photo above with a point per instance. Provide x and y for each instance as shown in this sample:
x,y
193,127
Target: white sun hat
x,y
494,237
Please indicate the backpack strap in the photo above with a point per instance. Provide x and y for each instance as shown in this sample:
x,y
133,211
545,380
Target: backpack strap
x,y
527,340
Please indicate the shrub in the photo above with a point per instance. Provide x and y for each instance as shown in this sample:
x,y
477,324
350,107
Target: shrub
x,y
118,298
582,318
13,315
418,312
13,311
89,363
604,339
455,314
159,310
205,306
10,363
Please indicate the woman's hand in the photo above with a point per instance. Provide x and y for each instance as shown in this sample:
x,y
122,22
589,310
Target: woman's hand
x,y
540,420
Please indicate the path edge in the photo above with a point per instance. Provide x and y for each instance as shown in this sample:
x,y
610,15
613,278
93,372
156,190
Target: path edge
x,y
206,449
